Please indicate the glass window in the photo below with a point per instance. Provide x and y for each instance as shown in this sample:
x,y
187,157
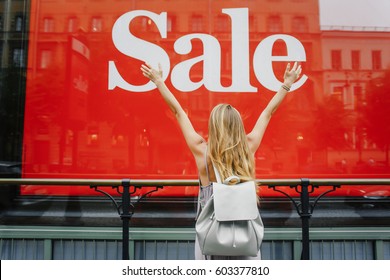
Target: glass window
x,y
171,23
222,24
18,58
299,24
48,24
355,59
376,60
338,91
19,23
97,24
72,24
46,57
336,59
359,98
274,24
197,23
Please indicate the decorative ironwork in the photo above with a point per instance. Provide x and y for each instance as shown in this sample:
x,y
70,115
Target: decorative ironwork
x,y
304,207
297,204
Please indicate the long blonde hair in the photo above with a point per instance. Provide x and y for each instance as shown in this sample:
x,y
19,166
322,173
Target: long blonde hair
x,y
228,146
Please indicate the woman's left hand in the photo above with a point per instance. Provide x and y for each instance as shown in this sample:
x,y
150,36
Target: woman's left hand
x,y
151,73
290,76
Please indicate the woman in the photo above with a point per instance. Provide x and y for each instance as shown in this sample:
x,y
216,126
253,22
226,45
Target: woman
x,y
229,149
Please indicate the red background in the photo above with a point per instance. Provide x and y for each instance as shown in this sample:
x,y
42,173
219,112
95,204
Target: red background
x,y
101,133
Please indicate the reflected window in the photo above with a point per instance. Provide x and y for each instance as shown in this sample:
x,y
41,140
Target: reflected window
x,y
46,57
338,93
274,24
48,24
376,60
171,23
336,59
18,57
252,24
18,23
299,24
355,60
96,24
145,23
222,24
308,46
197,23
358,97
72,24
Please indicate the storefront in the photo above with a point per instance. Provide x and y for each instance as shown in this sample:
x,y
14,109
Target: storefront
x,y
74,105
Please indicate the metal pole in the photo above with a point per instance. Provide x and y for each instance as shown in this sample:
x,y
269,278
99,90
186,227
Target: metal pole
x,y
125,216
305,216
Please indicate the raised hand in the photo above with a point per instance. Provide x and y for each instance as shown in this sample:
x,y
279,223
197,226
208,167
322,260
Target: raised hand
x,y
290,76
151,73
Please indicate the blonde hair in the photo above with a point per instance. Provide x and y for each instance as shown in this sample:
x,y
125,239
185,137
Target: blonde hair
x,y
228,146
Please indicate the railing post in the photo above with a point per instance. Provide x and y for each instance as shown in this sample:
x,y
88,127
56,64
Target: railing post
x,y
305,216
125,216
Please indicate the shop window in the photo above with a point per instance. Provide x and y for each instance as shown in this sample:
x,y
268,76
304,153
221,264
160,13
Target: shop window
x,y
336,59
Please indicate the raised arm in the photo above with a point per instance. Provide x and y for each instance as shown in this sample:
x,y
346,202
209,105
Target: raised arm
x,y
193,139
257,133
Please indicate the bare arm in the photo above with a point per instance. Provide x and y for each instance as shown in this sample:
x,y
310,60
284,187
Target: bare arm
x,y
257,133
193,139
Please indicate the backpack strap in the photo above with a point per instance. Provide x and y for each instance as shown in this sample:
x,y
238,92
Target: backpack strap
x,y
217,176
228,179
205,162
200,194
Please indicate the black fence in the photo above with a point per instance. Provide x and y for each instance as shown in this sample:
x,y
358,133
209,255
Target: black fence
x,y
304,202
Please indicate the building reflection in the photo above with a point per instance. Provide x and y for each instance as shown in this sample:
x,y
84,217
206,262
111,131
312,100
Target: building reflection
x,y
75,126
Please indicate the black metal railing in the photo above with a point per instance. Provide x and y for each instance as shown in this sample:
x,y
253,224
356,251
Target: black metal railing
x,y
304,204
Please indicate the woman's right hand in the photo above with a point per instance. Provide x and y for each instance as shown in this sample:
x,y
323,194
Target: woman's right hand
x,y
151,73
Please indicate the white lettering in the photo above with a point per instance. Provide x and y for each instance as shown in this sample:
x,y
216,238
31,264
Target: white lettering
x,y
240,50
211,64
262,60
132,46
212,58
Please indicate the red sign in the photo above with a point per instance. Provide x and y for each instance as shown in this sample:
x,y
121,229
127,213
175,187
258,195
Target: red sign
x,y
91,114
